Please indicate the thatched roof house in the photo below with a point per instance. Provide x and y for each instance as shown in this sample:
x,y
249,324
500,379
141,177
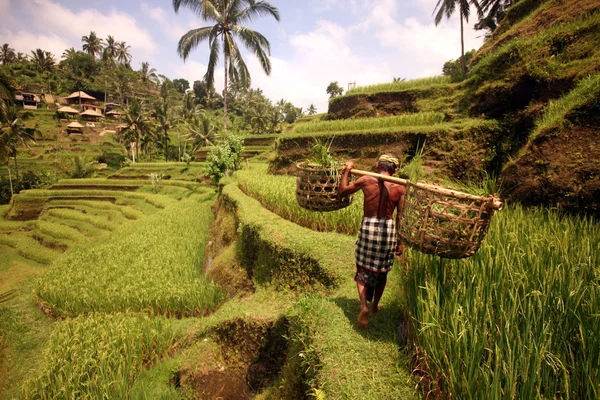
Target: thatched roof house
x,y
68,110
74,127
80,97
91,114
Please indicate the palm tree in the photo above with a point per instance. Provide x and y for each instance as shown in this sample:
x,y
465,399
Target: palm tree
x,y
148,74
69,53
92,44
42,59
202,131
495,9
13,132
123,54
7,54
135,117
312,109
447,8
110,50
228,16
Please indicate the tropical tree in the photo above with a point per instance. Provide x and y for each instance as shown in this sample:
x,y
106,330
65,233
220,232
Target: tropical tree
x,y
68,53
334,89
110,50
492,11
312,109
13,132
202,131
43,60
228,17
148,74
123,53
135,118
447,8
181,85
92,44
164,117
7,54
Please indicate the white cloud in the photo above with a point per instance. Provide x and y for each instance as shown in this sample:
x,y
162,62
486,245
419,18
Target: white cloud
x,y
321,56
54,21
25,42
168,26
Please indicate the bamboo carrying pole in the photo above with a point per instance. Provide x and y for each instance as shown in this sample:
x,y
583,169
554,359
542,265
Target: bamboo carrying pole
x,y
495,202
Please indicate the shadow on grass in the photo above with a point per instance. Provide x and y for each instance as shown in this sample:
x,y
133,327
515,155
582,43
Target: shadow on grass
x,y
386,326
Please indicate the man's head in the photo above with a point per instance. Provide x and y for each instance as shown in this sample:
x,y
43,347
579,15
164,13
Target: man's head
x,y
388,163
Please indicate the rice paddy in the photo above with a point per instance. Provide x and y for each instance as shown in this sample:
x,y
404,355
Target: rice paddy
x,y
400,85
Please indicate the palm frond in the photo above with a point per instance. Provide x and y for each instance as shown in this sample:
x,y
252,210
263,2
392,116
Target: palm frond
x,y
213,59
257,9
191,39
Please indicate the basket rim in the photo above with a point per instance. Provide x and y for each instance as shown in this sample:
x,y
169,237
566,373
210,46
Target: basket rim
x,y
303,166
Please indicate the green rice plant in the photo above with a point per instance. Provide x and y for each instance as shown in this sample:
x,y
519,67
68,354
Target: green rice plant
x,y
128,211
99,356
59,231
29,248
555,114
277,193
152,266
517,320
95,220
363,124
397,86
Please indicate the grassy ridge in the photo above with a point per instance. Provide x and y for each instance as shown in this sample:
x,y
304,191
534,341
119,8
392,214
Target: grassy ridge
x,y
401,85
517,320
98,356
277,194
150,266
416,119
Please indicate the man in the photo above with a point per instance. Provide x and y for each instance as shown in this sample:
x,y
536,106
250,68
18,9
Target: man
x,y
377,243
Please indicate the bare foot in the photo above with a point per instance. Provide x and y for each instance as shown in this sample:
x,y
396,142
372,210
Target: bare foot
x,y
375,310
363,319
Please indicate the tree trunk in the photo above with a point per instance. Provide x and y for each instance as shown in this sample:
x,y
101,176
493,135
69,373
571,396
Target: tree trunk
x,y
167,146
16,167
462,43
225,95
10,180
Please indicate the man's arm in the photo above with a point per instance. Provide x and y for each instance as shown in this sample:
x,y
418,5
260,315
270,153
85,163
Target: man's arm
x,y
349,188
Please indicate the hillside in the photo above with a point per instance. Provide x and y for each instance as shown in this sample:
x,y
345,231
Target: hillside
x,y
526,113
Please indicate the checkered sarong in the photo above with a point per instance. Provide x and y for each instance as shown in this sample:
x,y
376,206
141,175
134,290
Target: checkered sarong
x,y
376,244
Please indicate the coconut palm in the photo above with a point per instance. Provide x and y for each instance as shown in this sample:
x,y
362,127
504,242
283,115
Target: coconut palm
x,y
42,59
69,53
492,12
148,74
110,50
202,131
13,132
228,16
312,109
123,53
136,119
7,54
447,8
92,44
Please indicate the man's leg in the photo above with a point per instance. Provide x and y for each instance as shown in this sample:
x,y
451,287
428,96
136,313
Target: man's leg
x,y
363,315
378,293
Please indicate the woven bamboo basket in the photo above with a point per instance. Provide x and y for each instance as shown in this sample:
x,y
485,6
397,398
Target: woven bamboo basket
x,y
317,188
442,221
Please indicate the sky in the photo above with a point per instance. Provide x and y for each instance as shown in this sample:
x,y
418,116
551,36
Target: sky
x,y
315,43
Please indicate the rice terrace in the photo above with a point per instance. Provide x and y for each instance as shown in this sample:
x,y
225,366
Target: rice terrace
x,y
167,240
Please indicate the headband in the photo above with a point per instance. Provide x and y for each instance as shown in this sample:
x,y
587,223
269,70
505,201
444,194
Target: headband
x,y
389,158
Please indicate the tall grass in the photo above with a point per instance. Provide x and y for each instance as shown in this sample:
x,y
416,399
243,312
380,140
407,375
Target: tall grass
x,y
517,320
99,356
402,85
151,266
277,193
554,115
345,125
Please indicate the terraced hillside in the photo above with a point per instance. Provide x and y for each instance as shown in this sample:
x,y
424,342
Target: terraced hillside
x,y
526,113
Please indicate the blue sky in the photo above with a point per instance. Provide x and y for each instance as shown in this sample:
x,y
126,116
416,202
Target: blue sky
x,y
316,42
